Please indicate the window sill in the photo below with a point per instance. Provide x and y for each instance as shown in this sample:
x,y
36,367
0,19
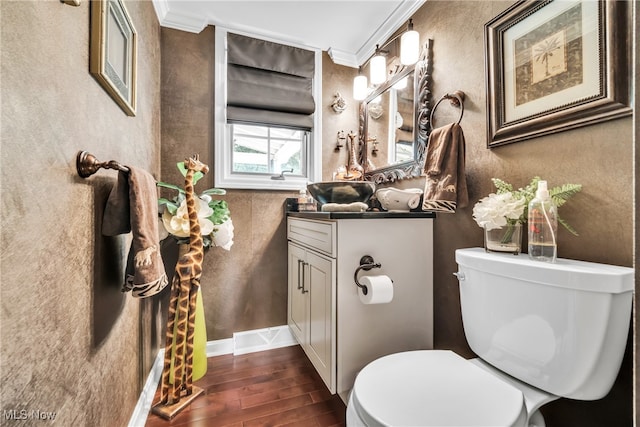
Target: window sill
x,y
260,183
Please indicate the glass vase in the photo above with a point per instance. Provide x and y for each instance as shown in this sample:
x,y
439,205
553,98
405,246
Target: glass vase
x,y
507,239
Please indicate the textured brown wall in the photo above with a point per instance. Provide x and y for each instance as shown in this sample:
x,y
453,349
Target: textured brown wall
x,y
636,162
245,288
336,78
69,339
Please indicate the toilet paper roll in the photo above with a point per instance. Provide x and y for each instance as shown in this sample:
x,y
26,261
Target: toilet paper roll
x,y
379,289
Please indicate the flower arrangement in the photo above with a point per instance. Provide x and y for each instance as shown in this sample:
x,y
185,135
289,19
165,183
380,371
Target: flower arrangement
x,y
214,215
508,207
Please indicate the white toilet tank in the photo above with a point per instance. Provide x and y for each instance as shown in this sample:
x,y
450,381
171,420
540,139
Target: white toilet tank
x,y
560,327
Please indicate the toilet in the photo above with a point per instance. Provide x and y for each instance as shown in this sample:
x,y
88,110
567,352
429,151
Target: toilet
x,y
541,331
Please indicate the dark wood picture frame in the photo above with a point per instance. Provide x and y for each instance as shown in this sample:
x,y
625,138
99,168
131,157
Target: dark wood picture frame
x,y
556,65
113,52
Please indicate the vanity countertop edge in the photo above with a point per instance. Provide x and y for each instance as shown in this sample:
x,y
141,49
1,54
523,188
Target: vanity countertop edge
x,y
360,215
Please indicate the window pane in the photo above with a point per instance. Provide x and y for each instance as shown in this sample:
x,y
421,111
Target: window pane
x,y
266,150
251,130
250,155
286,133
287,155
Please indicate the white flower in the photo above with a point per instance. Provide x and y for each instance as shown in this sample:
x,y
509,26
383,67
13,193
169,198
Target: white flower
x,y
494,210
223,234
178,224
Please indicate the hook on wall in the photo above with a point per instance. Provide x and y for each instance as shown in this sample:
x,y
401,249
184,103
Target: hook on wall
x,y
341,140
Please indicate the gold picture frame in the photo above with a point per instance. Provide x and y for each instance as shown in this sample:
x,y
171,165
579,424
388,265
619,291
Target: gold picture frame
x,y
113,52
556,65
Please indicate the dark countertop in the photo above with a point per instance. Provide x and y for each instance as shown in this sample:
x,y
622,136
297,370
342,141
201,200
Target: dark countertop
x,y
360,215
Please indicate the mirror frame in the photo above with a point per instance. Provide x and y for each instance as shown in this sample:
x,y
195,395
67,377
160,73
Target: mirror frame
x,y
422,111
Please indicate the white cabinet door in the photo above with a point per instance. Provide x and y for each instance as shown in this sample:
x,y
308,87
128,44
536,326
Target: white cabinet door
x,y
297,311
311,309
319,274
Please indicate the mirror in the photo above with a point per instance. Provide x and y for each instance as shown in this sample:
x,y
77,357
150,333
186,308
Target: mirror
x,y
395,120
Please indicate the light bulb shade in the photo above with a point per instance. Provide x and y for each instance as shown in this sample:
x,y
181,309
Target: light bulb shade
x,y
410,47
360,87
378,67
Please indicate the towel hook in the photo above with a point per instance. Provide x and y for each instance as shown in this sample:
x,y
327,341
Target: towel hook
x,y
87,164
366,264
457,100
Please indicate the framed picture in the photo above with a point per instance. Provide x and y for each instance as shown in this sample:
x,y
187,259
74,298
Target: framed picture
x,y
556,65
112,57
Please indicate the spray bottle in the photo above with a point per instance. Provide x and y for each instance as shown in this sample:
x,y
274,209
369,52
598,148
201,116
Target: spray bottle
x,y
543,225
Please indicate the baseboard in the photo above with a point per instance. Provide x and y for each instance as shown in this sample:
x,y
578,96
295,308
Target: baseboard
x,y
219,347
262,339
241,343
141,411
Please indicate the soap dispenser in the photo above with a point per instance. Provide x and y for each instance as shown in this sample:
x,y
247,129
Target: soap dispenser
x,y
543,225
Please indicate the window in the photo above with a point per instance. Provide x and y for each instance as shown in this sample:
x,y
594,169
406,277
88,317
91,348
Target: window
x,y
263,124
268,150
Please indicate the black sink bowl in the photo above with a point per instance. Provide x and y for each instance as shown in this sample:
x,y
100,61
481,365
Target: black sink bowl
x,y
342,192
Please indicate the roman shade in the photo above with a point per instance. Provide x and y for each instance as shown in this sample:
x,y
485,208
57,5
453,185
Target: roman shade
x,y
269,83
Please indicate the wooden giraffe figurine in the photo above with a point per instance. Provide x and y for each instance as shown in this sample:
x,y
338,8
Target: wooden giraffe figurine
x,y
184,291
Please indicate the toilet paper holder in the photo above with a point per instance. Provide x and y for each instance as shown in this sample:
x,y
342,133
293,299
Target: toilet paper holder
x,y
366,264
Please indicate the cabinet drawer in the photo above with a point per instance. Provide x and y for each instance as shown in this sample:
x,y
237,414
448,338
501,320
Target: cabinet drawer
x,y
319,235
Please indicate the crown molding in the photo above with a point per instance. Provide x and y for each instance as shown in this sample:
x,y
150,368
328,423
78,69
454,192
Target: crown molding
x,y
178,21
400,15
341,57
404,11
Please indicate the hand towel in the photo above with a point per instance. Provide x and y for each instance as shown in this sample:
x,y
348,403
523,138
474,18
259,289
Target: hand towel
x,y
133,206
446,183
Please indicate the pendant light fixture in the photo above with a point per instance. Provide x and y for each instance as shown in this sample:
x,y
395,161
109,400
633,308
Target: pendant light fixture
x,y
409,55
378,66
409,45
360,86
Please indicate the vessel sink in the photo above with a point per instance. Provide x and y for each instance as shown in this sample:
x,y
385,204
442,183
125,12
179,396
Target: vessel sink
x,y
341,192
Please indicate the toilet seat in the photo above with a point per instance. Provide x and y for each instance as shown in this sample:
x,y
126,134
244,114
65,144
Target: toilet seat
x,y
434,388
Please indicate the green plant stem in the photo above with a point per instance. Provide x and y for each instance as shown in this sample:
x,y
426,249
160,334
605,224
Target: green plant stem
x,y
506,238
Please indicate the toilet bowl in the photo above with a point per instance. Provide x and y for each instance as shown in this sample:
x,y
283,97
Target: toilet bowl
x,y
525,360
432,388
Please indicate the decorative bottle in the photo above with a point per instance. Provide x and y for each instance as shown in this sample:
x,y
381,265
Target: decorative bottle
x,y
306,203
543,225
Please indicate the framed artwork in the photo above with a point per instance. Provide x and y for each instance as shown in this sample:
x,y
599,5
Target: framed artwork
x,y
112,56
556,65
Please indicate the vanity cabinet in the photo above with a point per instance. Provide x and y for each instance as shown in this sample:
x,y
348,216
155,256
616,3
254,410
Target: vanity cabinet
x,y
338,332
311,315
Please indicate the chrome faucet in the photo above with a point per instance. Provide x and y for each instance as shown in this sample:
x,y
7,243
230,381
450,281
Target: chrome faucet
x,y
281,176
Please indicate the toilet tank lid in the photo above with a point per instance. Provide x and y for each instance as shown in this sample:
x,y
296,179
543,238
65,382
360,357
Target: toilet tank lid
x,y
564,273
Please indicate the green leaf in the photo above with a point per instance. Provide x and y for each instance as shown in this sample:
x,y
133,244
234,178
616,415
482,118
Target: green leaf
x,y
171,206
560,195
566,225
215,191
183,170
171,186
221,211
502,186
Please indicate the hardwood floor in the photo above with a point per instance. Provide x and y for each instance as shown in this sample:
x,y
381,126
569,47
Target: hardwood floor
x,y
270,388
